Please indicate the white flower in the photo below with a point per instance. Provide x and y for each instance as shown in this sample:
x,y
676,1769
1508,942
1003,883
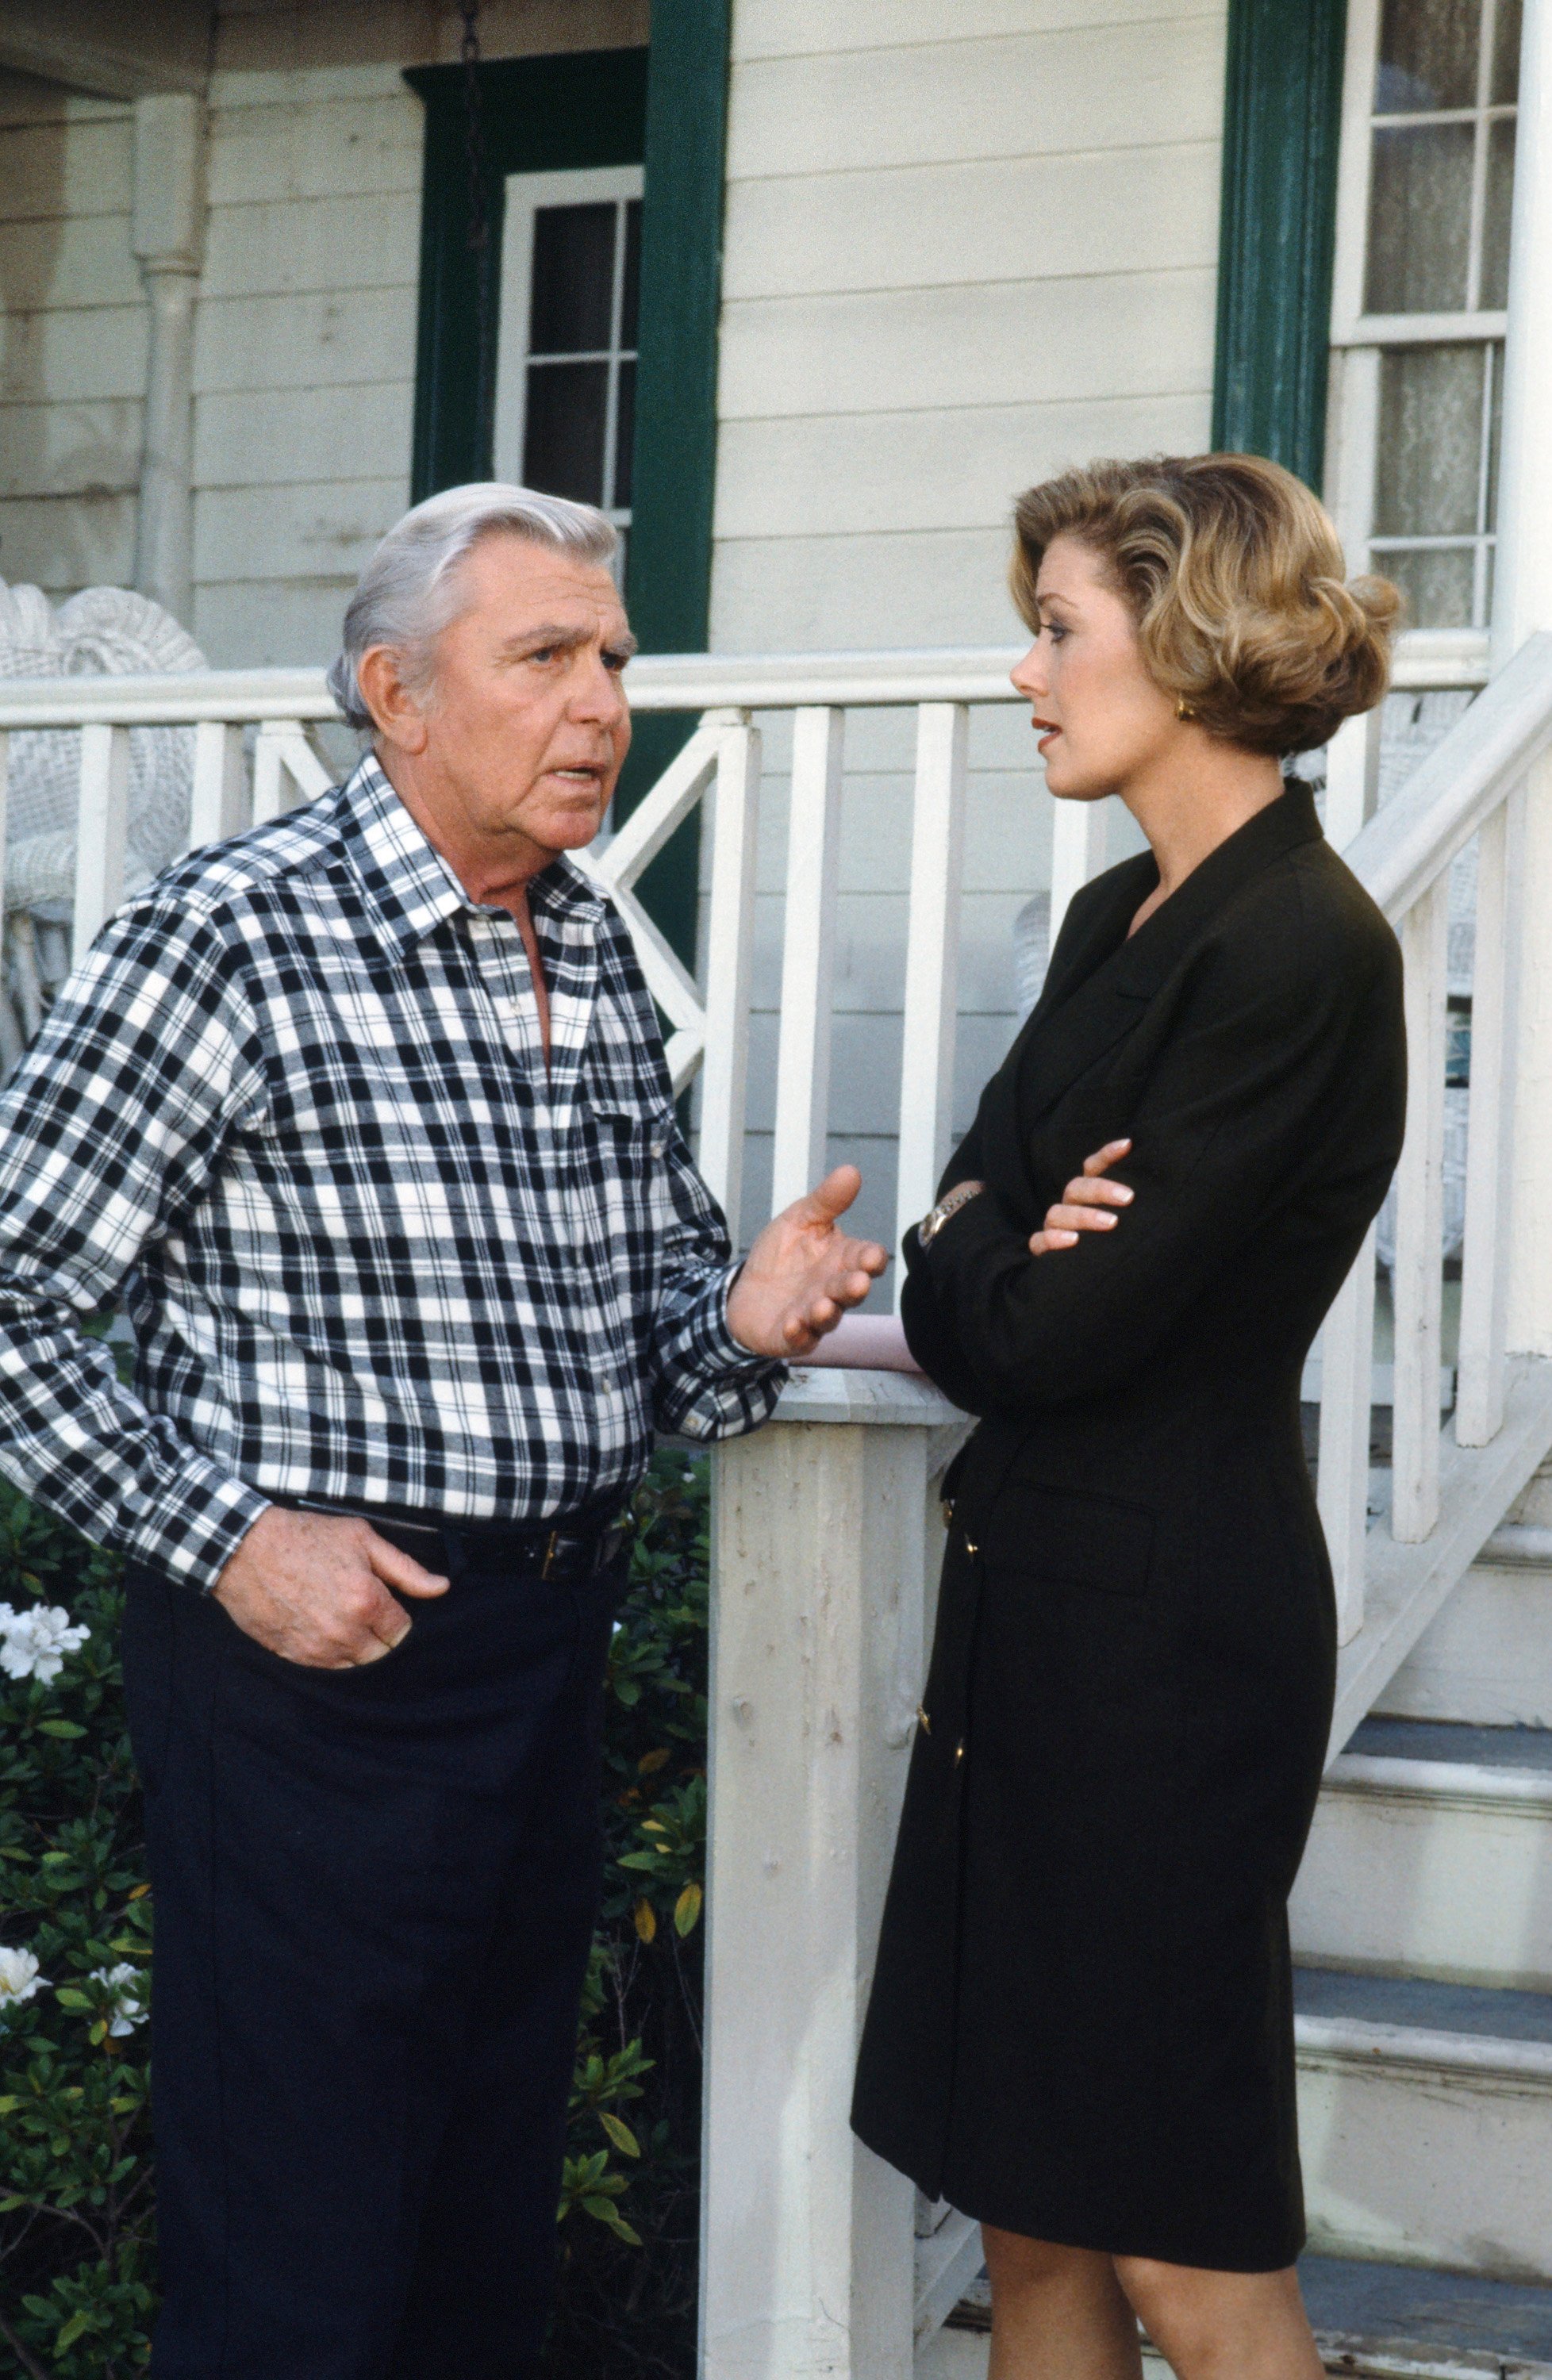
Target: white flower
x,y
19,1977
33,1643
127,1987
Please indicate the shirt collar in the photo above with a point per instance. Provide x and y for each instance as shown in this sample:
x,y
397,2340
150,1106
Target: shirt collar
x,y
408,884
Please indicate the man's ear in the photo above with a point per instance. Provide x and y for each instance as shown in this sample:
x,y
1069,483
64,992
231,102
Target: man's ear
x,y
396,713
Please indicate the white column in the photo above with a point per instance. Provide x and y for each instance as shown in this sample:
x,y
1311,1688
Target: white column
x,y
826,1542
1522,602
168,236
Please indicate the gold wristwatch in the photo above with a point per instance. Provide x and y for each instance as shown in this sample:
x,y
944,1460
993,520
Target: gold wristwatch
x,y
950,1204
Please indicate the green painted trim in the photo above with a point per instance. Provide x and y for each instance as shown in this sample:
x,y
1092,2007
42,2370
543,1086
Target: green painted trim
x,y
584,107
669,564
1282,128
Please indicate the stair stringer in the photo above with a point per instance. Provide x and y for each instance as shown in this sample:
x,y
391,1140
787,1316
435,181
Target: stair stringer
x,y
1405,1585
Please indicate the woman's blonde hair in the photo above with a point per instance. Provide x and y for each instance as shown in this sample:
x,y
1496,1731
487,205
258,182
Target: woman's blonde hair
x,y
1236,576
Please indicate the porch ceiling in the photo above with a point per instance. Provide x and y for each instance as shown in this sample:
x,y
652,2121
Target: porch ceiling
x,y
110,51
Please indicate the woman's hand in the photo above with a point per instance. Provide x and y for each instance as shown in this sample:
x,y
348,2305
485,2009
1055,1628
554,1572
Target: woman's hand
x,y
1086,1205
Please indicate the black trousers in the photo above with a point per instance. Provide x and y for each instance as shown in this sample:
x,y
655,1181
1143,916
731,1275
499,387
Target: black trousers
x,y
375,1890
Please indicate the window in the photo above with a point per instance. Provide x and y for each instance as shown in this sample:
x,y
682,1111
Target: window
x,y
566,367
1421,288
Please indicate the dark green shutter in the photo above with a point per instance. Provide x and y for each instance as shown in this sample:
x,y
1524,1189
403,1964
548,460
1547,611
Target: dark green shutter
x,y
1281,126
673,483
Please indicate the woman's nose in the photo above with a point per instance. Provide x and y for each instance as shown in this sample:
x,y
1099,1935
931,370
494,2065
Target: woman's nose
x,y
1029,677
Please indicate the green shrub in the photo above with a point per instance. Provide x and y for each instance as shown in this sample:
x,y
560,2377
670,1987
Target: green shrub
x,y
77,2202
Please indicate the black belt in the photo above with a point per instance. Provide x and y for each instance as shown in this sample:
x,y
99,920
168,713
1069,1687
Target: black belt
x,y
568,1552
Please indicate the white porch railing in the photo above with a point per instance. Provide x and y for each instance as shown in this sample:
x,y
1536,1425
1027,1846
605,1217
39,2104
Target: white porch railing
x,y
826,1535
252,755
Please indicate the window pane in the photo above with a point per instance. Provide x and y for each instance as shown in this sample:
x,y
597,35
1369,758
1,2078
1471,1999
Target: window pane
x,y
1494,434
1427,56
1506,54
562,440
1420,219
1438,587
1494,228
630,308
625,435
573,280
1430,441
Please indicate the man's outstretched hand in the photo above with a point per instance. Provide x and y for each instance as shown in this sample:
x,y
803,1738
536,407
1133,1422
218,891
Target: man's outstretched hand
x,y
802,1273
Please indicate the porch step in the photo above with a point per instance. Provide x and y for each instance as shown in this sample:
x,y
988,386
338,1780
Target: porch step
x,y
1431,1855
1486,1659
1388,2321
1426,2121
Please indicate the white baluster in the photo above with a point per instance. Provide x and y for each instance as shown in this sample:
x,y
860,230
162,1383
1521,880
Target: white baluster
x,y
216,804
813,850
730,932
1351,777
1479,1401
102,829
283,752
1419,1281
1346,1366
931,961
1080,831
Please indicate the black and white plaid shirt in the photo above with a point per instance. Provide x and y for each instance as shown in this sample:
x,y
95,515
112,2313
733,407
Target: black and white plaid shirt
x,y
294,1107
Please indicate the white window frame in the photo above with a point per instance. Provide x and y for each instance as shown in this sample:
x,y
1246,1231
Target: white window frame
x,y
1357,338
525,194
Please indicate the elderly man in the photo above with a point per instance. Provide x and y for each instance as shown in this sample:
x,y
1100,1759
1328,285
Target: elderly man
x,y
366,1116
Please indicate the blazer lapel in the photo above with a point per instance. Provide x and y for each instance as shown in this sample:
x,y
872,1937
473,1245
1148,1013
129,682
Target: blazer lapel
x,y
1087,941
1075,1033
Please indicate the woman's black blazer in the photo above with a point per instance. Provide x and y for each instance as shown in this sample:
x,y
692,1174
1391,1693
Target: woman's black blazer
x,y
1079,2024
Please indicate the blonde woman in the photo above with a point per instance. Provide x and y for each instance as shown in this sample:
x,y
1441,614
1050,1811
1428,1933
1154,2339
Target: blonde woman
x,y
1080,2028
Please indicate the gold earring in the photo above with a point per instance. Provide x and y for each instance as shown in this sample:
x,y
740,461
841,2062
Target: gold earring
x,y
1182,708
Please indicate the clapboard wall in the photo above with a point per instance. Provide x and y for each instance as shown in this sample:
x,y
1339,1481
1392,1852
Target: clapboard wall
x,y
964,247
72,339
305,321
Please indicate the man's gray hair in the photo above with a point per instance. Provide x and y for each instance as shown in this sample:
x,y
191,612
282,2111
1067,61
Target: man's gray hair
x,y
409,591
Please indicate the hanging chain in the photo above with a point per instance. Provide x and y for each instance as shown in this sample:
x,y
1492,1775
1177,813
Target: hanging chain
x,y
478,218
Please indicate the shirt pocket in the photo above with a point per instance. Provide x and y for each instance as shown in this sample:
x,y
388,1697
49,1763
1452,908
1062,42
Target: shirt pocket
x,y
627,1171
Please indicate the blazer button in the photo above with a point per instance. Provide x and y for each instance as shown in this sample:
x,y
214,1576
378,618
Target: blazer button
x,y
959,1754
971,1546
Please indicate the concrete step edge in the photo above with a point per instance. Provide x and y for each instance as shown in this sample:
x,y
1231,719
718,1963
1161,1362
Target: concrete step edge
x,y
1356,2041
1455,1784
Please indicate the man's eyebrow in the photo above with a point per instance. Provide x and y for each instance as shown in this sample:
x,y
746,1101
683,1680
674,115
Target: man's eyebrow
x,y
551,634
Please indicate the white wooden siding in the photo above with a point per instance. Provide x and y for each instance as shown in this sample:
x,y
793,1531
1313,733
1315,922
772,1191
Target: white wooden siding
x,y
305,321
963,248
304,348
72,339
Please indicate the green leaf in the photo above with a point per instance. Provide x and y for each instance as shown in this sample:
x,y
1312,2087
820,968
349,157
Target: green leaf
x,y
66,1727
69,1998
620,2133
85,2320
687,1910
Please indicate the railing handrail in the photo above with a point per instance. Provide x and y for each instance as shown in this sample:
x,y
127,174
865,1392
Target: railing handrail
x,y
681,682
1409,843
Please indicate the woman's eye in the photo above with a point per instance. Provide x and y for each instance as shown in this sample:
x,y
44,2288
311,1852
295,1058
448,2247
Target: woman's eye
x,y
1055,631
